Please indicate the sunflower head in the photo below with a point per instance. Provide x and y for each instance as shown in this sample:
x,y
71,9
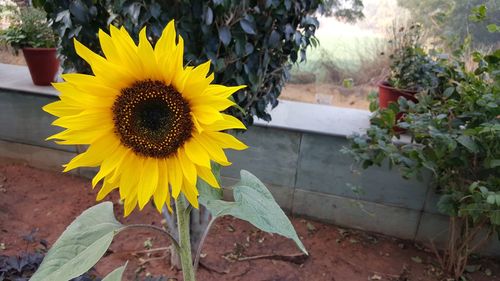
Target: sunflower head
x,y
152,126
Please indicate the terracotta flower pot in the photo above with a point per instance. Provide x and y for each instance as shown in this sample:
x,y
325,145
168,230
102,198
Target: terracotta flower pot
x,y
388,94
42,63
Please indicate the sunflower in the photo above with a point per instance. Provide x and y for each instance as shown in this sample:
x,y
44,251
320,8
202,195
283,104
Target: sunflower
x,y
152,125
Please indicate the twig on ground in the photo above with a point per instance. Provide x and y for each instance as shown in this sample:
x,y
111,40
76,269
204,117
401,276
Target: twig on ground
x,y
210,268
294,258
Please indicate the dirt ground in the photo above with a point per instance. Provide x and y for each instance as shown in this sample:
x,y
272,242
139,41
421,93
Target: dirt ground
x,y
47,201
328,94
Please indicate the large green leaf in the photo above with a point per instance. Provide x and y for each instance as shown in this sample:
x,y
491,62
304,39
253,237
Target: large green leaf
x,y
80,246
255,204
495,217
468,142
115,275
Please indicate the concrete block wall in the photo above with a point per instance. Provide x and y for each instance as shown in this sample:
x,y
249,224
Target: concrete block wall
x,y
297,156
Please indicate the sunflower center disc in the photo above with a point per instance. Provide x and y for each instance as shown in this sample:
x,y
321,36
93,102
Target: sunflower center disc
x,y
152,119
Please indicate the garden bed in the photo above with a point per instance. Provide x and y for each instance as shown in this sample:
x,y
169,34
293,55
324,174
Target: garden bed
x,y
32,199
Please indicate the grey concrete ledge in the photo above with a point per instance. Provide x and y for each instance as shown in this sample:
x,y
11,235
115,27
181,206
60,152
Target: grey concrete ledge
x,y
317,118
17,78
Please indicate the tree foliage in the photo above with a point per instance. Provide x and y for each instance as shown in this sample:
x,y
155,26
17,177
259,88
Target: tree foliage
x,y
450,18
248,42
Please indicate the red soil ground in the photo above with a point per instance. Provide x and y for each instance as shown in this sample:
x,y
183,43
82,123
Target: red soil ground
x,y
48,201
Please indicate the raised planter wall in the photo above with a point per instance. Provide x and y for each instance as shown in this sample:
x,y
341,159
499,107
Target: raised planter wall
x,y
297,156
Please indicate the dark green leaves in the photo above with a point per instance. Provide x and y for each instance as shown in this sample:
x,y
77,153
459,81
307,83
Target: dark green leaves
x,y
231,34
248,25
79,11
274,39
225,35
468,142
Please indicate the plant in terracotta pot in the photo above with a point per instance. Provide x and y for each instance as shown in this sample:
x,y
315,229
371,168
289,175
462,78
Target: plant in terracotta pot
x,y
454,132
30,32
412,69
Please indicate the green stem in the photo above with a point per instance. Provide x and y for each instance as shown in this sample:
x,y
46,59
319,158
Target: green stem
x,y
184,239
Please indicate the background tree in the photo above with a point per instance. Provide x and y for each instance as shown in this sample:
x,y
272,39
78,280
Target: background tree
x,y
251,42
450,19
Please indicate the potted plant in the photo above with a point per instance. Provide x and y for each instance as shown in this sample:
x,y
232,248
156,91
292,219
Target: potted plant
x,y
412,69
30,31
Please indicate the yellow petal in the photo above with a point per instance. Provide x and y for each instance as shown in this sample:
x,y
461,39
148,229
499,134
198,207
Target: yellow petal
x,y
110,163
101,67
215,152
222,91
165,50
129,180
106,188
179,72
88,119
228,122
196,153
91,84
72,137
207,175
226,140
147,56
127,50
206,114
218,103
60,108
162,194
94,154
201,70
165,45
124,164
191,194
148,181
174,175
188,168
74,96
197,124
109,48
130,204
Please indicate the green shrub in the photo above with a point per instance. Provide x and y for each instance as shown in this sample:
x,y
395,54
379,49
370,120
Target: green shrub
x,y
454,132
412,68
29,28
248,42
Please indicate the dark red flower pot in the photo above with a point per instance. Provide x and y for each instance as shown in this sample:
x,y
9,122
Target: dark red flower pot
x,y
388,94
42,63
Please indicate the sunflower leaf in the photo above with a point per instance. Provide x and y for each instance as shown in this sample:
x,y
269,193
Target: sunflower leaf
x,y
80,246
255,204
115,275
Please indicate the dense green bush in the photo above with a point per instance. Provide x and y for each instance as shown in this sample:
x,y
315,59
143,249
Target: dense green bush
x,y
412,68
29,28
454,131
249,42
